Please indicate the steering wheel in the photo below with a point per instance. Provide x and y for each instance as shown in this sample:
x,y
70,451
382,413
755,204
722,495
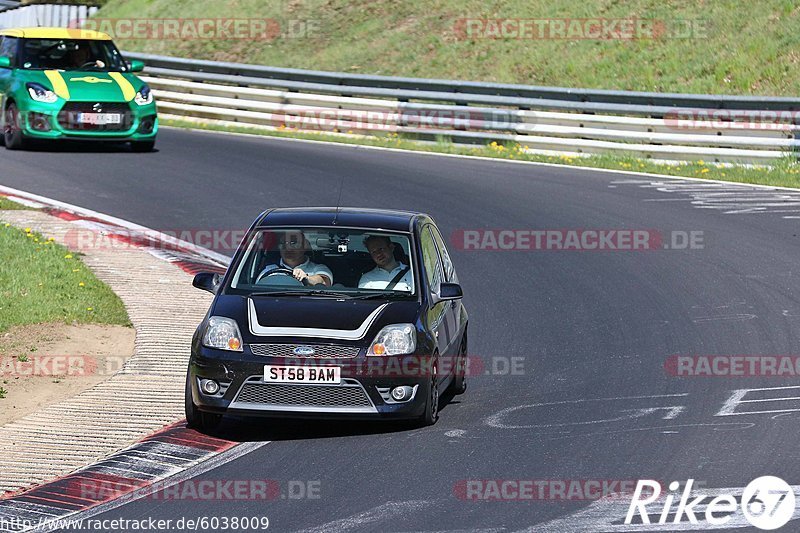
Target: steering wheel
x,y
89,64
277,271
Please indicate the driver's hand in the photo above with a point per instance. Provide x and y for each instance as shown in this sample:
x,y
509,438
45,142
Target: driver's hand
x,y
299,274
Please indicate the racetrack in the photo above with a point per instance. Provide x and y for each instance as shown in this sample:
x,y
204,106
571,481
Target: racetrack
x,y
595,329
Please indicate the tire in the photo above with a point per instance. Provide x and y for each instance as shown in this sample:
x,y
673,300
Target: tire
x,y
431,413
12,133
143,146
459,384
195,418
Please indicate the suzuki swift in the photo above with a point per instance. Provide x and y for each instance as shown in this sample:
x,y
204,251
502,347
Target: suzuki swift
x,y
58,83
331,313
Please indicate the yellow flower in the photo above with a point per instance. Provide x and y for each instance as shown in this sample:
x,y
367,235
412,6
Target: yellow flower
x,y
704,171
81,284
27,230
90,308
701,162
68,256
51,239
7,224
76,269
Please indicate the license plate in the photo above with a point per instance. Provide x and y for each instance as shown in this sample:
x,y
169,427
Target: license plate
x,y
328,375
99,119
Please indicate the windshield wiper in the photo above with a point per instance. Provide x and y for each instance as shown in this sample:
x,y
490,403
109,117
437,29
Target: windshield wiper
x,y
312,292
382,295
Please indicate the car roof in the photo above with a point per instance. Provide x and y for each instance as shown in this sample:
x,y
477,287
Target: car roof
x,y
358,217
55,33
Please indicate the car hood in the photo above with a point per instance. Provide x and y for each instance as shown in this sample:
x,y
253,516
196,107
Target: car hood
x,y
87,86
327,319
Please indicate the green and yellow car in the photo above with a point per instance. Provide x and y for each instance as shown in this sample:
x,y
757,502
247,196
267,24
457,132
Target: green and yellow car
x,y
58,83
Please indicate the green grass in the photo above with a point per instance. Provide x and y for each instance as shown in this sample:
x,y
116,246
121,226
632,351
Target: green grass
x,y
41,281
8,205
745,47
784,172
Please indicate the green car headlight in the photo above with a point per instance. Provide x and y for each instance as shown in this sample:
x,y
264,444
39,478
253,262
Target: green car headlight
x,y
40,93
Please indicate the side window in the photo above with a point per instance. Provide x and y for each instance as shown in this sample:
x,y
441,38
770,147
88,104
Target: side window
x,y
8,47
433,269
449,270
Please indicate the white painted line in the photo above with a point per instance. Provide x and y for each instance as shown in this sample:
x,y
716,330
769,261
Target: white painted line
x,y
209,254
381,513
492,159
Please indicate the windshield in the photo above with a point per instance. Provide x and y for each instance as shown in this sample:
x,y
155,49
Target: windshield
x,y
71,54
348,262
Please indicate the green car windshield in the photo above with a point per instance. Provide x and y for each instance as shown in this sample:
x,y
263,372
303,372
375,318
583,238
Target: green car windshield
x,y
70,54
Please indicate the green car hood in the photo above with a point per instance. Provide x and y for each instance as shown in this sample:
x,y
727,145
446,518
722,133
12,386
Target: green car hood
x,y
87,86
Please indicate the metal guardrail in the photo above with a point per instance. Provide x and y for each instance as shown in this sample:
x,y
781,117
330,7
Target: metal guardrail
x,y
541,119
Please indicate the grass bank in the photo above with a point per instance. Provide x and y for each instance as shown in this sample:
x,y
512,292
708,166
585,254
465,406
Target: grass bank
x,y
43,282
724,46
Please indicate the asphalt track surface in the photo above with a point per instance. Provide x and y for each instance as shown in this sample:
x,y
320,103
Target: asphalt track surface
x,y
594,329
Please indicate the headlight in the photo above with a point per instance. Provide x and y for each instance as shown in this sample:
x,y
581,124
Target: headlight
x,y
222,333
144,96
396,339
40,93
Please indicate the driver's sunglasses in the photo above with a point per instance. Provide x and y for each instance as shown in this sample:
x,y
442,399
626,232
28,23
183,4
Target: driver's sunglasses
x,y
290,244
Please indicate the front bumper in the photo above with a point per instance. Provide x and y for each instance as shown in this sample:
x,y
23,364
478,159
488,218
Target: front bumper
x,y
39,120
364,391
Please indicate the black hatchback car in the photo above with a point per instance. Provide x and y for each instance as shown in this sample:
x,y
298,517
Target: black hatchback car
x,y
330,312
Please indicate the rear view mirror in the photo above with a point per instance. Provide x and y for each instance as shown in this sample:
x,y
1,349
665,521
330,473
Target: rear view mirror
x,y
208,281
5,62
137,66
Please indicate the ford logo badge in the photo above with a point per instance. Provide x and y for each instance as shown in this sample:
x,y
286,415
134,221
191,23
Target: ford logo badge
x,y
304,351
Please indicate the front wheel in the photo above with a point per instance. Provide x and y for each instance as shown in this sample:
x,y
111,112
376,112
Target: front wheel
x,y
143,146
195,418
459,384
12,133
431,413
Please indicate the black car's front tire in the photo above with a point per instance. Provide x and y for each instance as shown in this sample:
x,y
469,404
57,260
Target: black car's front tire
x,y
143,146
431,413
12,133
459,385
195,418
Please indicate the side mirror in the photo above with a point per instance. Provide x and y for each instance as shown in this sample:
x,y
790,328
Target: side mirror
x,y
137,66
208,281
448,291
5,62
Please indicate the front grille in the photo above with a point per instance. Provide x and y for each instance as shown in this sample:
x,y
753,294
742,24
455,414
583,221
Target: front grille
x,y
321,351
68,117
304,395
